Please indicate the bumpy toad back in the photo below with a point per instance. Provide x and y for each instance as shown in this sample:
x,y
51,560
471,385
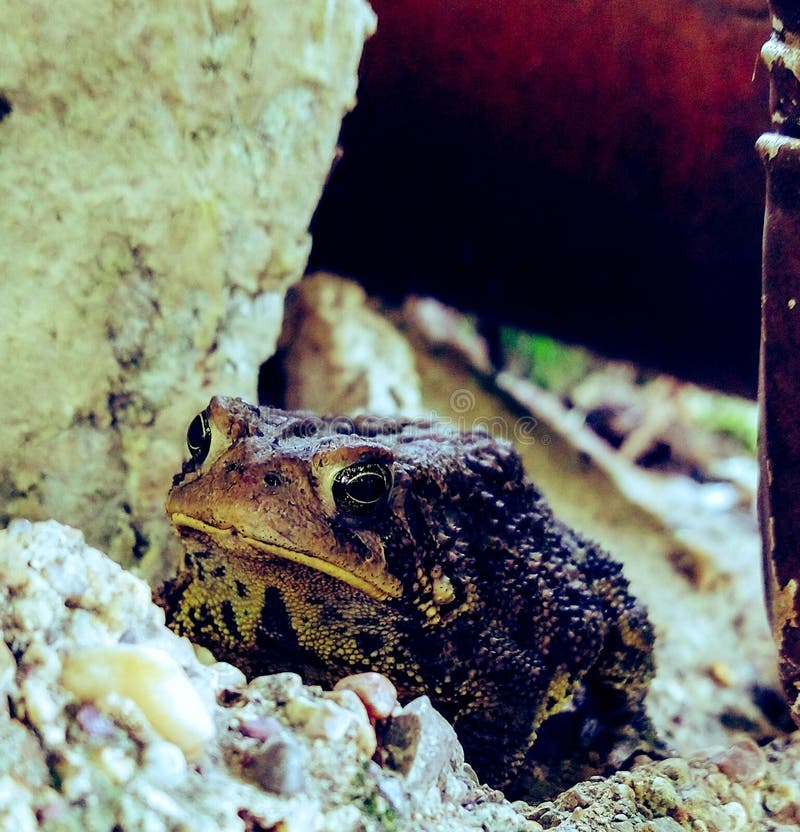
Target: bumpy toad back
x,y
329,546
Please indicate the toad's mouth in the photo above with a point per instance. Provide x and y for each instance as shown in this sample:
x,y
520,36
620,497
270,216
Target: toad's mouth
x,y
378,584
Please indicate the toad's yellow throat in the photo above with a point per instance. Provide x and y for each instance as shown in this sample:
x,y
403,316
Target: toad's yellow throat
x,y
381,586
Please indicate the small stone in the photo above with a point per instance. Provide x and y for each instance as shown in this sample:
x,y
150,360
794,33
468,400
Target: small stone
x,y
278,766
225,676
622,826
344,819
737,814
721,674
8,667
324,719
365,736
41,709
377,692
263,728
663,793
720,783
118,766
743,762
676,768
623,792
278,687
302,818
94,723
153,680
664,824
719,820
781,795
419,743
166,763
577,797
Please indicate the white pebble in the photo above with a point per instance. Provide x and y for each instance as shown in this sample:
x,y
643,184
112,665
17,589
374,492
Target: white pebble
x,y
151,679
8,667
365,733
117,764
166,763
328,720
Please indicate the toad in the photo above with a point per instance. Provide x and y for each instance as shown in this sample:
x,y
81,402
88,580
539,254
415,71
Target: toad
x,y
331,546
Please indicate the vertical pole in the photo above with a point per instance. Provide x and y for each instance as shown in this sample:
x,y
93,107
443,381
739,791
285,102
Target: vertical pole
x,y
779,375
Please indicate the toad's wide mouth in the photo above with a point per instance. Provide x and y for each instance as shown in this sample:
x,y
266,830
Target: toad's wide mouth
x,y
381,586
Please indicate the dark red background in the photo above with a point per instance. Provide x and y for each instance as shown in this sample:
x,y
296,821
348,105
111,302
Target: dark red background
x,y
583,167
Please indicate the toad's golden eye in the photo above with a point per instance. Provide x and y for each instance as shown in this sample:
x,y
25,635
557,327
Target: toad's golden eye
x,y
362,488
198,437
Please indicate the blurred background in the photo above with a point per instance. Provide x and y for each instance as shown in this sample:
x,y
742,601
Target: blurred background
x,y
578,167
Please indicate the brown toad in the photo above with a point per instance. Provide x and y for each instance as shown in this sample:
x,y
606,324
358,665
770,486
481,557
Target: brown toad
x,y
329,546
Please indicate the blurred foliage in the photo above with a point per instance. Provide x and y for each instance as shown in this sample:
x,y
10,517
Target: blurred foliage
x,y
728,415
551,364
558,368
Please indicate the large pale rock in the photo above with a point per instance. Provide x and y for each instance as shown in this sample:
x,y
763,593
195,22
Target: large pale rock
x,y
161,163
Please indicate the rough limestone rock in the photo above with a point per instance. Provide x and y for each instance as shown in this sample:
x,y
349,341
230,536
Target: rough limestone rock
x,y
161,163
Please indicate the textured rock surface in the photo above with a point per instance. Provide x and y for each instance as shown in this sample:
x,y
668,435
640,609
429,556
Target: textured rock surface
x,y
284,756
160,167
338,352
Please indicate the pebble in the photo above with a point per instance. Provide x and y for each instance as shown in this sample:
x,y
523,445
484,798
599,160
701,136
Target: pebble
x,y
41,709
377,693
623,792
95,723
303,818
575,798
676,768
8,667
118,766
151,679
780,796
743,762
261,728
664,792
278,766
419,743
737,814
225,676
720,783
325,719
166,761
623,825
661,825
721,673
365,737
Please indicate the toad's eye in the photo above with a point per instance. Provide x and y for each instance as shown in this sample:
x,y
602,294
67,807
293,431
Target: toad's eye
x,y
362,488
198,437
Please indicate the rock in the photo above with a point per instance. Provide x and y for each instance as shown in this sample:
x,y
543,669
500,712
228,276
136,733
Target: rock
x,y
336,354
332,721
743,762
420,744
279,766
150,244
283,757
377,693
664,824
153,680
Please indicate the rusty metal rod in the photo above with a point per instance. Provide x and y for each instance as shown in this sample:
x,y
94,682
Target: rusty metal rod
x,y
779,373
